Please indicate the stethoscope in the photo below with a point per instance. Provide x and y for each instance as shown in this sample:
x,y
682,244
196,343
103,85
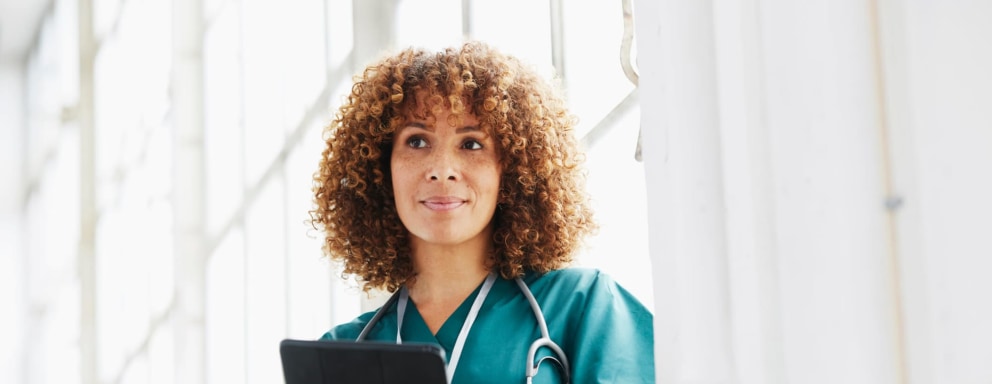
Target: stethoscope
x,y
402,296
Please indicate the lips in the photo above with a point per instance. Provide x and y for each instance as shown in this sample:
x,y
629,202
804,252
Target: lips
x,y
443,203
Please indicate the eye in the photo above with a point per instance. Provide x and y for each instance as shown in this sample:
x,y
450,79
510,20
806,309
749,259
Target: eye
x,y
472,144
416,142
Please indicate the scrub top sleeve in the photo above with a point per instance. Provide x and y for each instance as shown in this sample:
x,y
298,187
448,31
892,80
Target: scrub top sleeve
x,y
351,330
616,337
347,331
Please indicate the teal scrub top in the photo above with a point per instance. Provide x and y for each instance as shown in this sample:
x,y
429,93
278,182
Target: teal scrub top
x,y
605,332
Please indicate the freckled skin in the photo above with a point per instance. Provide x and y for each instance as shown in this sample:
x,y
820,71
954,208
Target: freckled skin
x,y
445,180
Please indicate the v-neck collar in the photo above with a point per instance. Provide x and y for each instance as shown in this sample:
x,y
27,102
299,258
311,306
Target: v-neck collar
x,y
415,328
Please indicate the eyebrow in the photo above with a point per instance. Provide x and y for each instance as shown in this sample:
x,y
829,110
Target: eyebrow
x,y
415,124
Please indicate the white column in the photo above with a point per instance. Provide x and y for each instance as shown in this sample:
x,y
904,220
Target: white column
x,y
88,337
12,266
682,161
375,29
189,192
558,41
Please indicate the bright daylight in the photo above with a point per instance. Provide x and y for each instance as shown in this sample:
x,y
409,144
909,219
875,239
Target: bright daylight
x,y
473,191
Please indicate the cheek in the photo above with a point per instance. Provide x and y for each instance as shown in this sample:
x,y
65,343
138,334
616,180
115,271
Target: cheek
x,y
493,179
398,174
401,190
405,174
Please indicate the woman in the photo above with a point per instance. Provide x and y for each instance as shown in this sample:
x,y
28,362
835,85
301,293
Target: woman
x,y
447,176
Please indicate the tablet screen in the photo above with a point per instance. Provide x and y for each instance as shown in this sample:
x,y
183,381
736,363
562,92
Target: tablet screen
x,y
349,362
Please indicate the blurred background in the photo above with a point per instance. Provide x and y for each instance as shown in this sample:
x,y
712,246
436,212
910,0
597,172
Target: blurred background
x,y
158,160
811,204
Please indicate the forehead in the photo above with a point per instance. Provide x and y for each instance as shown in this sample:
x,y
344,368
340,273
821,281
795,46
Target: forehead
x,y
428,112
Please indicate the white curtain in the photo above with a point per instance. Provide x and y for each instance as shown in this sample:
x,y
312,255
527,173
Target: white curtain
x,y
819,177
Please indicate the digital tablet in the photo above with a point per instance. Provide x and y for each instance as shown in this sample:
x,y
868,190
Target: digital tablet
x,y
349,362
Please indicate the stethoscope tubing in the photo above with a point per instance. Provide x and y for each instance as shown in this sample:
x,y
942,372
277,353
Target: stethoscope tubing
x,y
544,341
378,316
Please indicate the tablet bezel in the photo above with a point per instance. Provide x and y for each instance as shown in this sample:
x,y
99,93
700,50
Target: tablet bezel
x,y
348,362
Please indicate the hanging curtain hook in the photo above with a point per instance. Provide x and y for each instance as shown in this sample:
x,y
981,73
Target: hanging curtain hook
x,y
626,63
627,42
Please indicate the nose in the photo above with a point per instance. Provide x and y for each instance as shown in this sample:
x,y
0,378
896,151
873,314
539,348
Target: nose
x,y
444,165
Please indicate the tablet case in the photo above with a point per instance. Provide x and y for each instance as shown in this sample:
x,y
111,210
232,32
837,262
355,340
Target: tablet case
x,y
349,362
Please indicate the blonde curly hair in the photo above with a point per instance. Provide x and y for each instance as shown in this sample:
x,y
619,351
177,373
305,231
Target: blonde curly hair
x,y
543,214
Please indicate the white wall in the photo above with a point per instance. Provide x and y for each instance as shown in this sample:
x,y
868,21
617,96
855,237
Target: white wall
x,y
779,135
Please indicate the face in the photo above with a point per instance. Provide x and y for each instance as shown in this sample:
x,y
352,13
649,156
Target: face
x,y
445,180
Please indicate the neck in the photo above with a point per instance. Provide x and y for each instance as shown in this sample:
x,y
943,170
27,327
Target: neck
x,y
447,272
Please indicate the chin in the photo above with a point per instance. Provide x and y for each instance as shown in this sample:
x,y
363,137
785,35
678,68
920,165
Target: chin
x,y
445,237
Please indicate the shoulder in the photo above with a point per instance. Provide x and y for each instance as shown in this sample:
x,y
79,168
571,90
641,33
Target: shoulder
x,y
577,287
349,330
578,279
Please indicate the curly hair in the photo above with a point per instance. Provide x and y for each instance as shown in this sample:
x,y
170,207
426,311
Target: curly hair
x,y
543,214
